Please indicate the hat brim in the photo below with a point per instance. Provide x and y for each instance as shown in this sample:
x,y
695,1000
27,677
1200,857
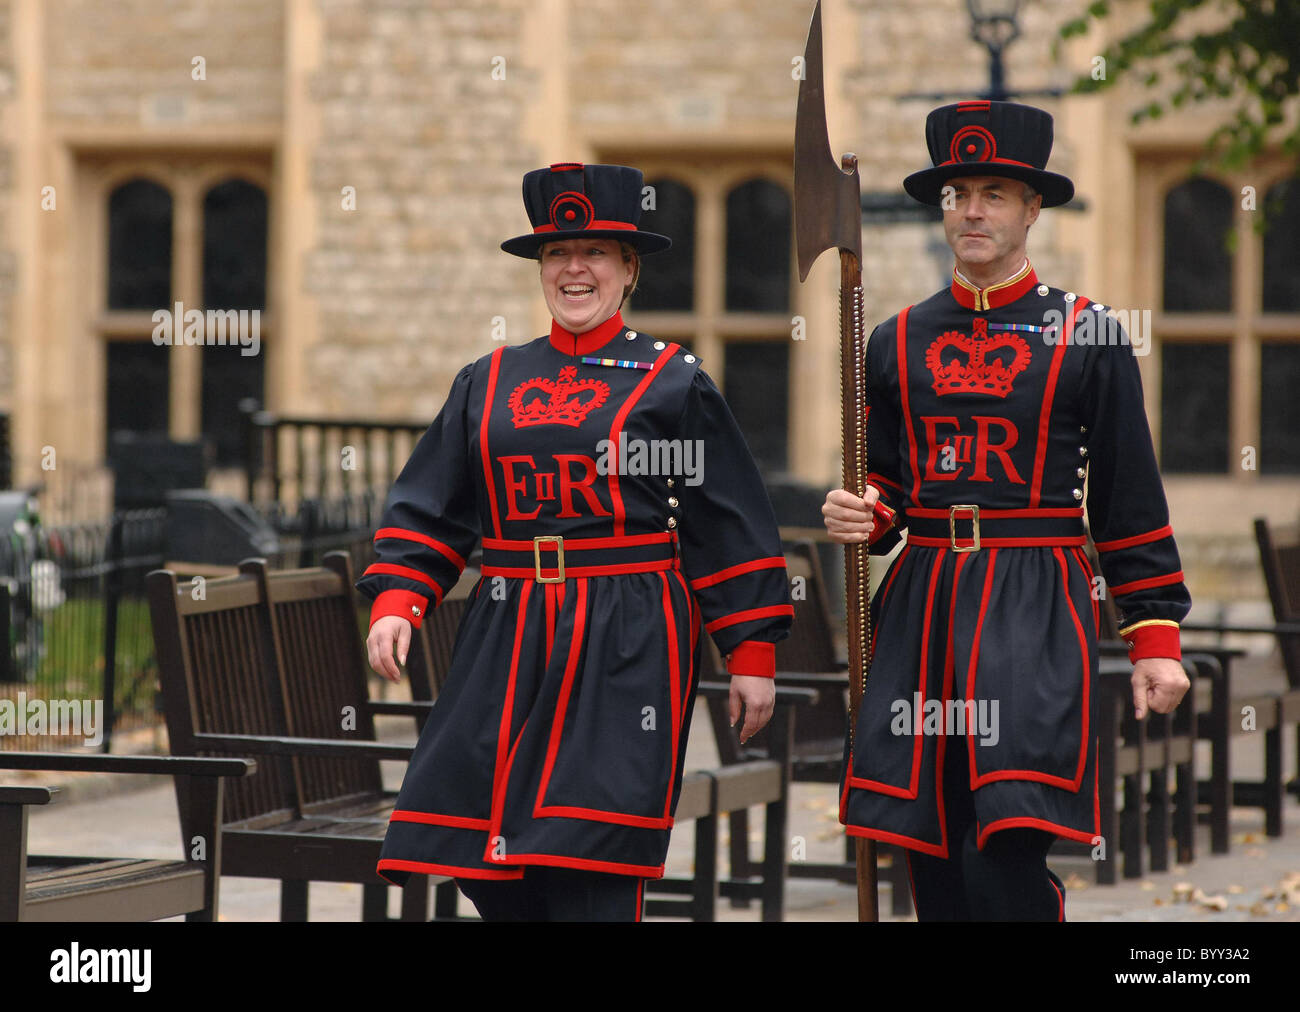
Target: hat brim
x,y
927,185
530,246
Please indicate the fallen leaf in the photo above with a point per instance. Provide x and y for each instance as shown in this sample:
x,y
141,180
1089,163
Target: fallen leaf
x,y
1235,889
1159,902
1182,891
1282,908
1259,909
1216,903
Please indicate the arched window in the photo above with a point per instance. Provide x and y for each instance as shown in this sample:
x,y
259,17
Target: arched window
x,y
758,248
1198,266
1281,292
139,246
670,283
234,285
234,246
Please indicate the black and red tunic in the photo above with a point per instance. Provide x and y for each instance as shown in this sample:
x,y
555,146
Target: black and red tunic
x,y
1008,402
560,732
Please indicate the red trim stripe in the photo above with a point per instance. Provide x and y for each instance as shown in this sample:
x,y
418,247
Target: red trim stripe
x,y
1050,512
1151,581
600,815
674,692
616,496
488,477
440,547
736,617
455,871
434,819
586,864
907,411
392,569
580,544
601,223
879,479
899,840
1028,822
501,768
653,566
771,562
924,542
562,703
1137,539
975,654
983,161
1045,415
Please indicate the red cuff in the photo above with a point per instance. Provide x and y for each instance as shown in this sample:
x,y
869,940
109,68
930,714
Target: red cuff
x,y
884,519
753,658
403,604
1153,638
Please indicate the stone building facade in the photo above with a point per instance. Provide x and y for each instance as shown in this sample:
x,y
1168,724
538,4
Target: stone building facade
x,y
349,167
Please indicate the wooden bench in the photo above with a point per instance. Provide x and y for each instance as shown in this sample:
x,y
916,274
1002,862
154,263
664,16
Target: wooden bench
x,y
58,888
809,660
315,810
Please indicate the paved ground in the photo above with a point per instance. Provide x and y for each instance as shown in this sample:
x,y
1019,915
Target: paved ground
x,y
1259,880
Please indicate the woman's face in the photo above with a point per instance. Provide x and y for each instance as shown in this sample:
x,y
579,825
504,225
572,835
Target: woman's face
x,y
583,281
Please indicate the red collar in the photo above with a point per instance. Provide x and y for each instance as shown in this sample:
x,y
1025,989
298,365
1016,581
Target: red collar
x,y
585,344
995,296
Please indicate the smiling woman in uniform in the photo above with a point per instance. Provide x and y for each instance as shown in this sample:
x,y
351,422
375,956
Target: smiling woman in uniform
x,y
546,777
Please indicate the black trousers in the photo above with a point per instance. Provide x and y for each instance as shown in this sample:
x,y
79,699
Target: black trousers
x,y
556,894
1006,881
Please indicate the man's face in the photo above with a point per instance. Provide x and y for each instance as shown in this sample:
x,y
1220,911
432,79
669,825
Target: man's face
x,y
989,221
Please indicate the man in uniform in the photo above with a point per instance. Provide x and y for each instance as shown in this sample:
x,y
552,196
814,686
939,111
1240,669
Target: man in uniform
x,y
988,406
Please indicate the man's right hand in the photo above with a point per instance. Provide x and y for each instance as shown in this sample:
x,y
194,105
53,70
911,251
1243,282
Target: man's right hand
x,y
388,632
848,517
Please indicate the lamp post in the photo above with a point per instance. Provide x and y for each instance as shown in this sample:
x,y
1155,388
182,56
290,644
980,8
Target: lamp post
x,y
993,23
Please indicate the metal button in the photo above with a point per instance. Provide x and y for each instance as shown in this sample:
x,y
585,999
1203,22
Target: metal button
x,y
672,501
1077,493
1083,451
689,358
631,335
660,346
671,483
1083,430
1081,473
672,522
1070,296
415,610
1043,289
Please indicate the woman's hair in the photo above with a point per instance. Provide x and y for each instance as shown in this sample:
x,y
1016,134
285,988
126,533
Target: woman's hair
x,y
630,256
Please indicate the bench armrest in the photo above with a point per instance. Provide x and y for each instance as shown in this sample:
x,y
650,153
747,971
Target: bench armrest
x,y
157,765
785,695
26,795
330,747
413,708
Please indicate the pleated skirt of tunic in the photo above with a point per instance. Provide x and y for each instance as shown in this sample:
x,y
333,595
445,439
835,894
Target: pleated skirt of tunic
x,y
559,735
992,651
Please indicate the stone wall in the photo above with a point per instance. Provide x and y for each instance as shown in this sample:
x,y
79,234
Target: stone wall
x,y
132,61
408,284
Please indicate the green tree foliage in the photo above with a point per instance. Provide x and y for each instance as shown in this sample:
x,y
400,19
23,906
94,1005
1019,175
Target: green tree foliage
x,y
1251,60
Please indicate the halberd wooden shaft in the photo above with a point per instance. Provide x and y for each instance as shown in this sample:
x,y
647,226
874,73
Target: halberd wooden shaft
x,y
857,564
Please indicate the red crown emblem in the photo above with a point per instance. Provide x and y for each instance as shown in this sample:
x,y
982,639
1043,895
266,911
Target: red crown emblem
x,y
556,403
983,371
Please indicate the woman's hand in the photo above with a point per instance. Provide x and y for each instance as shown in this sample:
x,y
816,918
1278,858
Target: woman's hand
x,y
848,518
759,696
388,632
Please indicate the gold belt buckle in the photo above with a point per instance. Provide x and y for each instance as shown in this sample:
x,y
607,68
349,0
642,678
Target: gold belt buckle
x,y
556,540
952,528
